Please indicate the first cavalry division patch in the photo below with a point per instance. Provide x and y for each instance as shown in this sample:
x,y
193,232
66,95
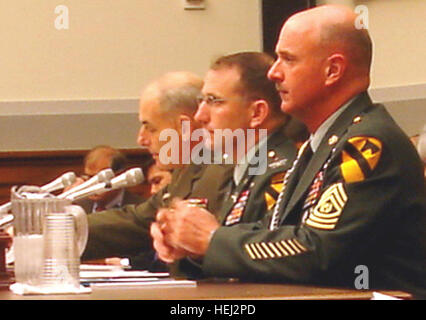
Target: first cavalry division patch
x,y
359,158
329,208
273,190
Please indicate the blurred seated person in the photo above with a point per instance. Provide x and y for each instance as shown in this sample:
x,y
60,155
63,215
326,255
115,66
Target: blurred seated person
x,y
156,177
100,158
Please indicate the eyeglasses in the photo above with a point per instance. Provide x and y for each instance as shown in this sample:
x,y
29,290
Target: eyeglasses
x,y
210,100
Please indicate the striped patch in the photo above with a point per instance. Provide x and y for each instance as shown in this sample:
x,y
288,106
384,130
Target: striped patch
x,y
359,158
327,212
274,250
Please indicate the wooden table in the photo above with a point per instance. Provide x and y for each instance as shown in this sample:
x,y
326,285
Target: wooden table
x,y
214,291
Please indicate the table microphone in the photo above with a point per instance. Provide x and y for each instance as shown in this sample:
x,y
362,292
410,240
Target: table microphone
x,y
102,176
63,181
127,179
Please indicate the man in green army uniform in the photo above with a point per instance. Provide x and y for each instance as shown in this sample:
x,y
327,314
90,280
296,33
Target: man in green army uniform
x,y
164,104
355,194
237,95
126,231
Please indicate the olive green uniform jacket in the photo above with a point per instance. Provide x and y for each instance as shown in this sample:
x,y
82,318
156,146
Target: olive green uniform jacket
x,y
125,231
359,205
257,193
251,199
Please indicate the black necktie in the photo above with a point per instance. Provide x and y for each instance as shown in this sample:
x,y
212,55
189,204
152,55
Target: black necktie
x,y
304,160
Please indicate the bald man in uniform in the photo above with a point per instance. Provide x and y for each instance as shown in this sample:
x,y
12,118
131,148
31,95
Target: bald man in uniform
x,y
355,194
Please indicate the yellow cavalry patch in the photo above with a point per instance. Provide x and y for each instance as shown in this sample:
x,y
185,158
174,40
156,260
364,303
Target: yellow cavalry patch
x,y
274,189
359,158
329,208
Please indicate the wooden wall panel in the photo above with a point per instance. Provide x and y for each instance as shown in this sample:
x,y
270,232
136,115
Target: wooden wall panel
x,y
41,167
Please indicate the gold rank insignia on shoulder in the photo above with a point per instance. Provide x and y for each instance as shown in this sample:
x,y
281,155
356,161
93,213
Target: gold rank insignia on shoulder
x,y
330,206
274,250
360,157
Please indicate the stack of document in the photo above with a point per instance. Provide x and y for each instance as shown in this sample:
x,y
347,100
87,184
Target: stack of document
x,y
117,276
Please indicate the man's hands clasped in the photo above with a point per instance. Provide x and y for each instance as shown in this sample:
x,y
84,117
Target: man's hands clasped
x,y
183,230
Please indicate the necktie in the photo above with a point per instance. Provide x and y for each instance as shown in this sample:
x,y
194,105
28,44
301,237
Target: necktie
x,y
304,160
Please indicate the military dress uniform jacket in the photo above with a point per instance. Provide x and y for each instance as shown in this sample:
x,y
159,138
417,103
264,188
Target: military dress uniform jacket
x,y
258,193
125,231
359,203
255,195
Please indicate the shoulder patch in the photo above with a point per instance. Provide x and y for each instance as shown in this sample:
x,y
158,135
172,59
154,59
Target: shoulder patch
x,y
273,190
329,208
359,158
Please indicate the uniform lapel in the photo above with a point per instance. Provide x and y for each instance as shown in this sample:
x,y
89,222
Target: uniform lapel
x,y
234,194
185,180
275,139
323,153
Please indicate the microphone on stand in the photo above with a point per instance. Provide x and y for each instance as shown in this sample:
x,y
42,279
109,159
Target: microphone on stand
x,y
61,182
127,179
102,176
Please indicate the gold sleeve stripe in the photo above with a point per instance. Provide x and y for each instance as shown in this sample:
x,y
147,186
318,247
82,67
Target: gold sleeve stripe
x,y
299,245
284,251
294,246
255,251
251,254
289,249
274,250
259,248
269,252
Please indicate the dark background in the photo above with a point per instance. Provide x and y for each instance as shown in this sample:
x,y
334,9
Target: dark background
x,y
274,13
